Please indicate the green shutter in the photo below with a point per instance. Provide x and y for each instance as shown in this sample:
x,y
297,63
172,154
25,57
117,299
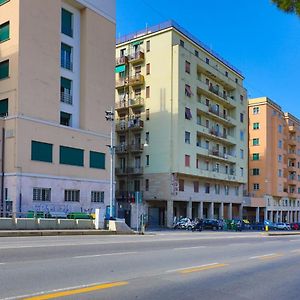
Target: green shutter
x,y
4,32
3,107
41,151
4,69
97,160
136,43
65,83
3,1
71,156
120,69
66,22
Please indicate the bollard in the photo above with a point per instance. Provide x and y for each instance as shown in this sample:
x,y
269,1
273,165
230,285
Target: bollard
x,y
267,228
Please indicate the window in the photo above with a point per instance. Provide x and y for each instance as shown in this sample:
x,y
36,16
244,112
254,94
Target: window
x,y
280,144
148,92
207,188
41,151
71,156
147,185
280,128
217,189
187,137
3,108
196,53
242,117
148,46
66,22
226,189
242,135
188,114
147,69
241,172
280,173
255,172
181,43
181,185
147,160
66,91
255,142
255,186
196,186
280,158
97,160
4,32
255,156
242,98
226,73
41,194
4,69
65,119
147,114
97,196
241,153
188,91
187,160
236,80
187,67
147,138
255,126
207,60
66,56
72,195
255,110
236,190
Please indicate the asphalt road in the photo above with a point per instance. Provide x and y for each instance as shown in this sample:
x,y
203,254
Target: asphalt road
x,y
167,265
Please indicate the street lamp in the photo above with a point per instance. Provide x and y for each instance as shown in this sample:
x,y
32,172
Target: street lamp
x,y
109,116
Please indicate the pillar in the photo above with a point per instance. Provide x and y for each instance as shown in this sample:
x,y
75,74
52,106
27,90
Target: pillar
x,y
230,211
200,210
170,213
257,215
211,210
271,216
241,207
189,209
221,211
276,216
280,216
265,213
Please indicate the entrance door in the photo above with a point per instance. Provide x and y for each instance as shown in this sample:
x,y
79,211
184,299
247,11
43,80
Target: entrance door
x,y
153,216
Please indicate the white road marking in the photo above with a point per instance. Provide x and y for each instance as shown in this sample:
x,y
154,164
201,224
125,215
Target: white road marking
x,y
295,240
260,256
192,267
188,248
105,254
295,251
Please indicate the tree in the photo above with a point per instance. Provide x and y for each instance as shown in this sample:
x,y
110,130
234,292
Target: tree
x,y
289,6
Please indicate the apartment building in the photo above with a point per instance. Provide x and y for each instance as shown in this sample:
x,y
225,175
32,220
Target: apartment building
x,y
274,149
56,81
181,128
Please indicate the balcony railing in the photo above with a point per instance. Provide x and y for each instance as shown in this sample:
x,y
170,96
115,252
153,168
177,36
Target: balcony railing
x,y
136,102
129,171
136,147
121,82
136,56
122,60
122,148
66,64
137,79
136,124
121,104
66,98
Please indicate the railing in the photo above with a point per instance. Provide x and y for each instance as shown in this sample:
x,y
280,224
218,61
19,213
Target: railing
x,y
66,64
121,82
121,104
122,148
121,60
138,55
136,123
135,170
66,98
138,101
136,79
136,147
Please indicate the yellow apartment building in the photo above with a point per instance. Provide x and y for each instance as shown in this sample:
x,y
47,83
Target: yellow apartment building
x,y
274,149
56,81
181,128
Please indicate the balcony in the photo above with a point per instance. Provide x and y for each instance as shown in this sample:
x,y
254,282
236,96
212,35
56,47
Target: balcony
x,y
292,141
213,93
292,168
66,98
121,125
292,180
217,175
135,170
122,107
122,60
121,83
216,135
121,149
137,57
292,155
136,124
136,80
121,171
292,128
136,103
136,148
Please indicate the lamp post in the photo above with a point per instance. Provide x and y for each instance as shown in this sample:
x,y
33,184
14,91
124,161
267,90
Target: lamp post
x,y
109,116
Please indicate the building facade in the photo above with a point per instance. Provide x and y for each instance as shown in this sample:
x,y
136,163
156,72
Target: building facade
x,y
56,81
274,149
181,128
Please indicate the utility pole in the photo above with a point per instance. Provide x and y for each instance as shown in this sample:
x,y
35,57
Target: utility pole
x,y
109,116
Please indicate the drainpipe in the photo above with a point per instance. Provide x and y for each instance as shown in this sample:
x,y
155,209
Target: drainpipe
x,y
2,177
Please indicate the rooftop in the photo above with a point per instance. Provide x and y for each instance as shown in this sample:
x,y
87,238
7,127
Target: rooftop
x,y
173,24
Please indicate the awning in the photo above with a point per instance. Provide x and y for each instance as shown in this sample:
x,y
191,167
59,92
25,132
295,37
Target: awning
x,y
136,43
120,69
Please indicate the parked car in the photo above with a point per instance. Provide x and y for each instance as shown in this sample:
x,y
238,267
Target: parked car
x,y
78,215
258,226
211,224
183,223
295,226
282,226
197,225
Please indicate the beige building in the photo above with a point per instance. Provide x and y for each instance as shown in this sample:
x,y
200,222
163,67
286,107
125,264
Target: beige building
x,y
189,107
274,152
56,81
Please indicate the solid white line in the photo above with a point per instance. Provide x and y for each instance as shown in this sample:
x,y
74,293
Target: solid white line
x,y
265,255
188,248
192,267
295,240
296,250
105,254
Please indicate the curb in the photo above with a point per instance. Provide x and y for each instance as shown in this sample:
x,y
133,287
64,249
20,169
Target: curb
x,y
282,233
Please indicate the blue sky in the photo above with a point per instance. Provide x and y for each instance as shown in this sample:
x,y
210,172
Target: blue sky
x,y
253,35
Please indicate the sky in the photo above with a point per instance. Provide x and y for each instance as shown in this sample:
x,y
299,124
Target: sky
x,y
253,35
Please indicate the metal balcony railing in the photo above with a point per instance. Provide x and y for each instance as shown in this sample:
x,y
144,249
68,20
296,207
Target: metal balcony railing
x,y
122,60
66,64
66,98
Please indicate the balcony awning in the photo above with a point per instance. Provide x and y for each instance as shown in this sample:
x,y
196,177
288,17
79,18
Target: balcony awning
x,y
136,43
120,69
